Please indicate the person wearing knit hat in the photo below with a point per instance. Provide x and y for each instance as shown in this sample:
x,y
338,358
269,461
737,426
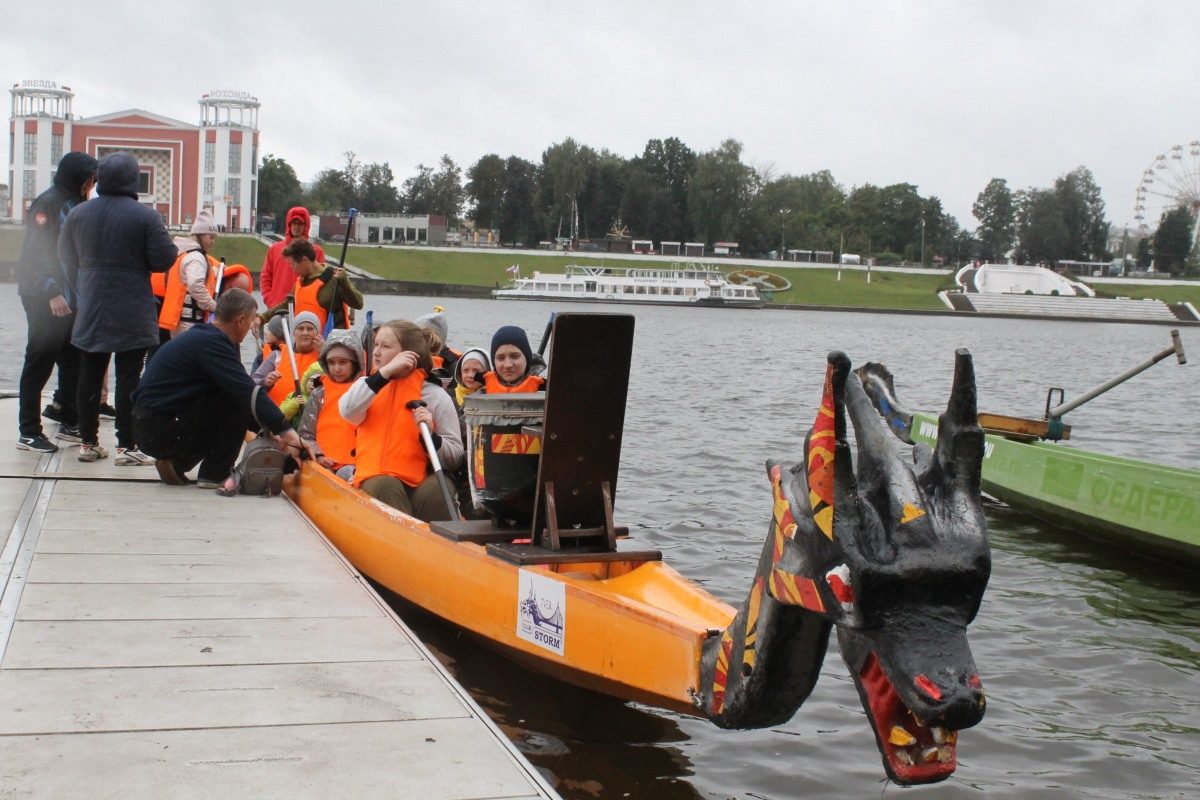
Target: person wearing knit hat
x,y
272,340
276,373
511,359
444,357
469,372
196,277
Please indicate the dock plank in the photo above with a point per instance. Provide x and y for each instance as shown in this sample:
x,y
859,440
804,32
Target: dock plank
x,y
114,601
72,644
108,700
416,760
184,568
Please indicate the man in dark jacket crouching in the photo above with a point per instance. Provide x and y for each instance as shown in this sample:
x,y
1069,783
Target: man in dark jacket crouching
x,y
193,405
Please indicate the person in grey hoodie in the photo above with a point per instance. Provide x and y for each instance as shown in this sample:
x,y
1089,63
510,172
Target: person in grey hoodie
x,y
112,244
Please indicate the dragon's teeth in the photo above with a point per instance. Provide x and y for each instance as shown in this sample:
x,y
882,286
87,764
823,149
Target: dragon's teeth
x,y
899,737
904,757
945,755
929,755
939,734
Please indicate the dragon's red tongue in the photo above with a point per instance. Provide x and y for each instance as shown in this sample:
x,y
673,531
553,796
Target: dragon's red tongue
x,y
912,752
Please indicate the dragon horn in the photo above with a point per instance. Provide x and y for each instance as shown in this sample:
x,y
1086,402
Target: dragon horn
x,y
960,439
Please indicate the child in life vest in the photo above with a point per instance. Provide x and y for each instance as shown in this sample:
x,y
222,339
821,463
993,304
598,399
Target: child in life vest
x,y
272,340
468,373
275,374
512,358
328,437
391,464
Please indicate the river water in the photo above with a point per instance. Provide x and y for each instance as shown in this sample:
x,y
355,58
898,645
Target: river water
x,y
1090,656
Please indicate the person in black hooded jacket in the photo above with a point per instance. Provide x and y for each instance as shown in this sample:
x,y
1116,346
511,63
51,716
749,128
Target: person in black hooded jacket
x,y
49,300
113,243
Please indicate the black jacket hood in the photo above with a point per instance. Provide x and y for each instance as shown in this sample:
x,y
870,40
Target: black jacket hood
x,y
118,174
73,172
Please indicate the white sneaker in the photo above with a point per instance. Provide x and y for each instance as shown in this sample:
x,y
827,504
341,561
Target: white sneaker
x,y
92,452
132,457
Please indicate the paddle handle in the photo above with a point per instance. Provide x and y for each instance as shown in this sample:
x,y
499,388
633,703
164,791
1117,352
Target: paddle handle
x,y
443,481
1176,349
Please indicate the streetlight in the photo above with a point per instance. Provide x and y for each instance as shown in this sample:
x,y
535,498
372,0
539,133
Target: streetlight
x,y
783,212
922,241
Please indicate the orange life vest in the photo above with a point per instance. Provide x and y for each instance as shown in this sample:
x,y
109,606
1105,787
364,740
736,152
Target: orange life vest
x,y
334,435
531,383
388,441
175,296
287,384
306,300
158,284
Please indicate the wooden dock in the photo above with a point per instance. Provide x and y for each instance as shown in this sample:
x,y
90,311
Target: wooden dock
x,y
164,642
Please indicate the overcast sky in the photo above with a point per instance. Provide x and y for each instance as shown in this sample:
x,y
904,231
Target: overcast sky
x,y
944,95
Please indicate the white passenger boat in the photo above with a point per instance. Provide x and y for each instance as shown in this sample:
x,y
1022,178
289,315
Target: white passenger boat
x,y
682,285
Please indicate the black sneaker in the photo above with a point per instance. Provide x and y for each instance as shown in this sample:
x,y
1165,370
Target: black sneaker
x,y
108,411
68,433
37,443
55,412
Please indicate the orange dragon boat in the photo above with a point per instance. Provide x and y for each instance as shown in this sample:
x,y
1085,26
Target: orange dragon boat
x,y
894,557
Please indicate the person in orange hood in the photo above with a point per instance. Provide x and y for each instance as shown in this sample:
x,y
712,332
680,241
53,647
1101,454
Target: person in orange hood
x,y
278,277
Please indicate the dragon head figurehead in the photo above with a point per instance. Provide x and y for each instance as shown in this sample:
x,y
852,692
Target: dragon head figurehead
x,y
893,552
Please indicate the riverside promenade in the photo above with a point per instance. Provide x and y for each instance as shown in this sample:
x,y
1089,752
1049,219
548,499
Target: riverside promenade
x,y
164,642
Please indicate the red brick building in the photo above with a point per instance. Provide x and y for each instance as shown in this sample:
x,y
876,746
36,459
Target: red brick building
x,y
184,168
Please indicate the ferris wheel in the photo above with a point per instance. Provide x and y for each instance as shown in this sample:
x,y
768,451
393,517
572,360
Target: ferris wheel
x,y
1172,180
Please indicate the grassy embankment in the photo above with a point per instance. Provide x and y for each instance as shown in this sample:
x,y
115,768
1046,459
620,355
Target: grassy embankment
x,y
817,287
809,286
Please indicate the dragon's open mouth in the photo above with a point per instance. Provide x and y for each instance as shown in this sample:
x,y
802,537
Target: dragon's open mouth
x,y
912,752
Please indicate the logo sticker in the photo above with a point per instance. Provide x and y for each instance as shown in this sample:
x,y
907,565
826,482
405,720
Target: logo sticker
x,y
541,611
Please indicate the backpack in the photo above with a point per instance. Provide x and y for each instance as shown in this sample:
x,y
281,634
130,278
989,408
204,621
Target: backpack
x,y
260,469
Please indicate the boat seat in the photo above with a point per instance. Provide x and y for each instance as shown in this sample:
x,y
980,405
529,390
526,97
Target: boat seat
x,y
581,433
479,531
530,554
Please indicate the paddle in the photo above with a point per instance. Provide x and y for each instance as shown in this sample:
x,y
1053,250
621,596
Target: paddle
x,y
443,481
1176,349
368,342
287,338
328,326
538,364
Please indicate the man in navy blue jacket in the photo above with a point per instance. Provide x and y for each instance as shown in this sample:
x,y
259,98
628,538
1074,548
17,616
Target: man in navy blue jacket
x,y
112,244
193,404
49,301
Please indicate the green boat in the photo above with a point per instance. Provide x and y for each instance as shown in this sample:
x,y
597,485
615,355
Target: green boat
x,y
1138,505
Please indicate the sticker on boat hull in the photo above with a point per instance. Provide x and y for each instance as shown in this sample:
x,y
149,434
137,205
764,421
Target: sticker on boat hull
x,y
541,611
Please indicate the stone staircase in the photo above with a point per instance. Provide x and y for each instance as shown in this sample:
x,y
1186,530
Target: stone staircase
x,y
1102,309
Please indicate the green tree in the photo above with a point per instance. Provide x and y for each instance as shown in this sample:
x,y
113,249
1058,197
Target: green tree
x,y
564,176
600,201
446,190
796,212
669,163
485,189
278,187
719,192
1173,241
1042,234
997,215
1145,258
416,193
1082,211
376,192
518,214
336,190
